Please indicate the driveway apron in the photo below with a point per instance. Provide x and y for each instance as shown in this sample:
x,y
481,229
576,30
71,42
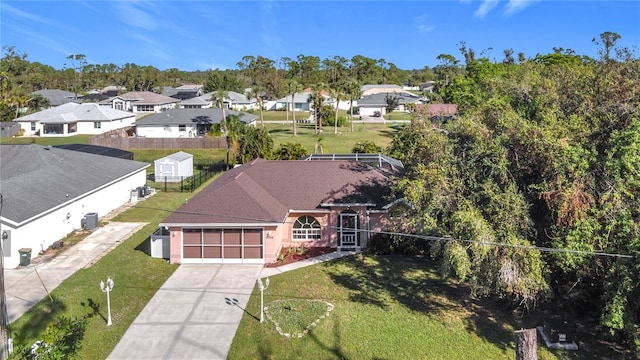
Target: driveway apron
x,y
194,315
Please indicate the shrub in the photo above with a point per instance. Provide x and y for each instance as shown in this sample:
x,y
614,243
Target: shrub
x,y
383,244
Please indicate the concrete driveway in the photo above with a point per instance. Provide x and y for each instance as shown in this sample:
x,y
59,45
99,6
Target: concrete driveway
x,y
194,315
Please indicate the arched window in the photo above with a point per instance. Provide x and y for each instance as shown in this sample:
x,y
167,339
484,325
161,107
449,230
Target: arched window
x,y
306,228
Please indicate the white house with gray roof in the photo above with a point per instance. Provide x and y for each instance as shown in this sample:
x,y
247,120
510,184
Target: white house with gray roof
x,y
73,119
47,191
57,97
235,101
181,123
141,102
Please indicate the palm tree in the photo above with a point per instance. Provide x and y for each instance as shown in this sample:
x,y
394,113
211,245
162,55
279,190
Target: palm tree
x,y
256,93
336,93
353,92
218,98
232,128
316,100
292,87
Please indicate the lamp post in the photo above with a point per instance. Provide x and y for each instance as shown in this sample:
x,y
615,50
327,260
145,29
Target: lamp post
x,y
107,289
262,288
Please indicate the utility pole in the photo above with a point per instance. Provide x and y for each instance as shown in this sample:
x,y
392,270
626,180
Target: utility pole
x,y
4,321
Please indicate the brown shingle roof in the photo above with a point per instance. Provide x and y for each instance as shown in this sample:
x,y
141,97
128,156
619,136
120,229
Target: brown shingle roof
x,y
264,191
147,98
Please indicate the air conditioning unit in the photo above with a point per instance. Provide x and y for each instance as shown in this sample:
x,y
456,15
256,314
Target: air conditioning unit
x,y
89,221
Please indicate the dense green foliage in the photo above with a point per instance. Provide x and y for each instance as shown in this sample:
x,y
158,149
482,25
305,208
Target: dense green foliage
x,y
545,153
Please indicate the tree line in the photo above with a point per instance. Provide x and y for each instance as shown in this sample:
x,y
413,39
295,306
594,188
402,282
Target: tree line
x,y
538,180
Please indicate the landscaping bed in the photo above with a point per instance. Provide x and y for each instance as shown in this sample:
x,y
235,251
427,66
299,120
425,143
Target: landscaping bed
x,y
290,255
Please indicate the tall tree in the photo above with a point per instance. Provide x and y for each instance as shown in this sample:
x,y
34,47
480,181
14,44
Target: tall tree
x,y
257,92
353,92
316,99
293,87
336,92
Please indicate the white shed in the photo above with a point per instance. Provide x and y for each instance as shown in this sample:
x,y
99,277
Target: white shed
x,y
174,167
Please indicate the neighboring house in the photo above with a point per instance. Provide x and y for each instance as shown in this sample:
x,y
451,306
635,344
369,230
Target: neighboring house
x,y
235,101
73,119
178,123
47,191
183,92
369,104
427,86
174,167
141,102
198,102
252,211
301,102
383,88
241,102
439,112
57,97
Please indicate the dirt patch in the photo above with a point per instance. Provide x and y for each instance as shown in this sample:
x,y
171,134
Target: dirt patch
x,y
291,255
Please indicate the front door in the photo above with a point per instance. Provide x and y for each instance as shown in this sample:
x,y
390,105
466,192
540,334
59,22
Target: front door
x,y
349,230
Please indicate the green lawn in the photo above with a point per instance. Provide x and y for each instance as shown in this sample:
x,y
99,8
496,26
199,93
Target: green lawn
x,y
386,307
342,142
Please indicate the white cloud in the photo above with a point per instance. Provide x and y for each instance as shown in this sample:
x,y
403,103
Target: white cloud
x,y
422,24
131,15
514,6
485,7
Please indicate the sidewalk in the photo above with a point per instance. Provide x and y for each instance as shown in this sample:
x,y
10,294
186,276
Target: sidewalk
x,y
25,286
270,271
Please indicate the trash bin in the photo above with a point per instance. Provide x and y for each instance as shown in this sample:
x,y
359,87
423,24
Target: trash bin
x,y
25,256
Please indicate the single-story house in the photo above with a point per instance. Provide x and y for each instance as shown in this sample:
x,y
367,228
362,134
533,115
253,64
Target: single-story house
x,y
254,210
301,100
198,102
73,119
48,191
57,97
141,102
241,102
370,89
235,101
183,92
439,112
177,123
174,167
369,104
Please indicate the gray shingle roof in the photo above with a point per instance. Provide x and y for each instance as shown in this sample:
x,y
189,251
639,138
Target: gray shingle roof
x,y
72,112
202,100
264,191
35,178
56,97
379,99
147,98
190,116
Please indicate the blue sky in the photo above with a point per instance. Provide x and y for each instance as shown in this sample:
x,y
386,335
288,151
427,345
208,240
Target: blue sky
x,y
201,35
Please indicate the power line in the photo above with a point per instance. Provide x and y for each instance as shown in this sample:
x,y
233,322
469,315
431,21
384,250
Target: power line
x,y
498,244
425,237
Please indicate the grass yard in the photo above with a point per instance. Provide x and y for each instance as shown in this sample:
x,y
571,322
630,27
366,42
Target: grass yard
x,y
385,307
137,277
342,142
